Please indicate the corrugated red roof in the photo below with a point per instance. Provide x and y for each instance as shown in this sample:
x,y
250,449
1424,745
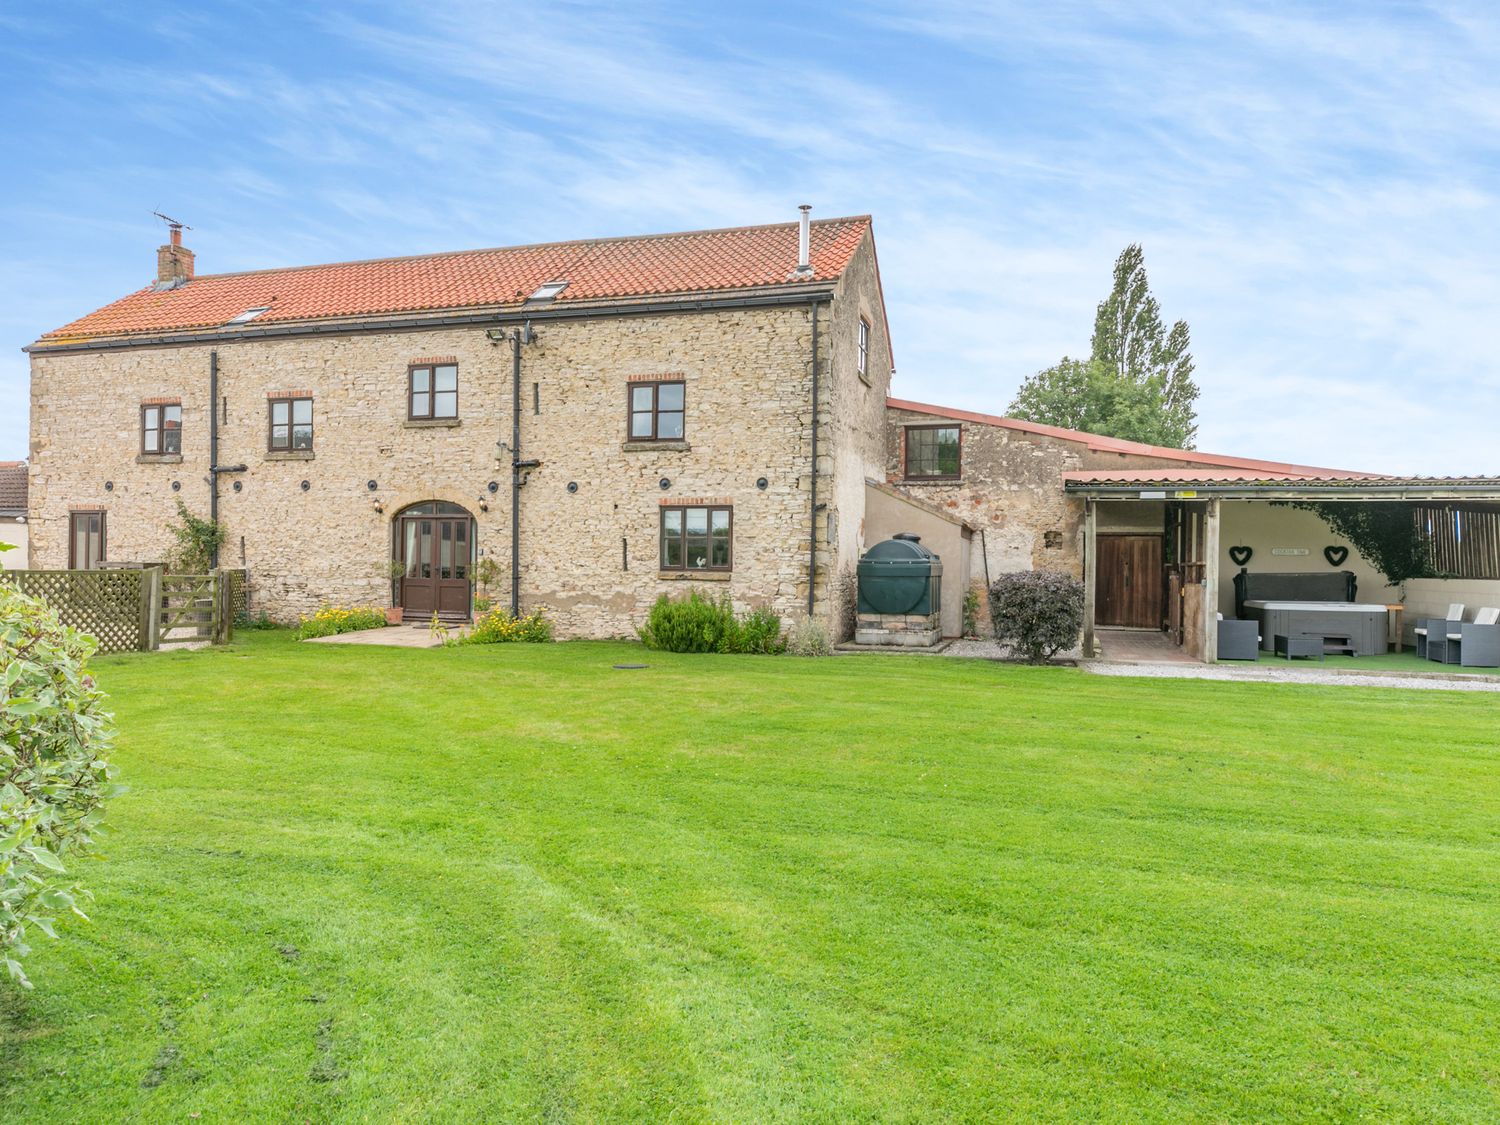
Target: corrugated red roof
x,y
608,269
1100,443
1210,476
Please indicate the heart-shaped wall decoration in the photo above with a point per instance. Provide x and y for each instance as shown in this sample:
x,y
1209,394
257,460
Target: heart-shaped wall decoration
x,y
1335,555
1241,555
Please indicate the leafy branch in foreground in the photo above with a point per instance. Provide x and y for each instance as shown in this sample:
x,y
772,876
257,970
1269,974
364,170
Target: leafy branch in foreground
x,y
54,778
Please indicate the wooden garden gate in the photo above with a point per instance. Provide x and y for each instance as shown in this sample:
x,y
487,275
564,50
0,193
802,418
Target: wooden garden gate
x,y
197,604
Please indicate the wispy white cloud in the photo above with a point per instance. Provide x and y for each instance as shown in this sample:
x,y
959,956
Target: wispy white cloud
x,y
1315,186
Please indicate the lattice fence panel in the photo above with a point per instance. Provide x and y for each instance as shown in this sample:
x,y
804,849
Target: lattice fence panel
x,y
106,604
239,594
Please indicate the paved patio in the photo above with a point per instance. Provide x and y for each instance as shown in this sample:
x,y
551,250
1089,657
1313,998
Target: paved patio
x,y
393,636
1139,646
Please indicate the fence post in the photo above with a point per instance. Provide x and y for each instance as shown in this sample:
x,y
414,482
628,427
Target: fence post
x,y
223,608
151,615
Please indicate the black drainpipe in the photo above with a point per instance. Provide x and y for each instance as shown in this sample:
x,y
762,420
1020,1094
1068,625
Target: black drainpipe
x,y
515,472
812,543
518,336
213,449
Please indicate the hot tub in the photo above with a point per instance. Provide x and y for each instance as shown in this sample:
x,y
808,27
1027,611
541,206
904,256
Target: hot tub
x,y
1341,624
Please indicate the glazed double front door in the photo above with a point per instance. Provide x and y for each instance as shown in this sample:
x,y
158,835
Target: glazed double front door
x,y
437,551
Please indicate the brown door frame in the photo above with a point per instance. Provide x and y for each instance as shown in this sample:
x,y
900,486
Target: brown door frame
x,y
450,596
1104,581
73,517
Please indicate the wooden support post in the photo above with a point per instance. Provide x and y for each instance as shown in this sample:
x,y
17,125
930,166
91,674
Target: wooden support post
x,y
1211,583
151,591
1090,567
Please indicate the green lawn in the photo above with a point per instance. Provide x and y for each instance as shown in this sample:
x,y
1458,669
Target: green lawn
x,y
512,883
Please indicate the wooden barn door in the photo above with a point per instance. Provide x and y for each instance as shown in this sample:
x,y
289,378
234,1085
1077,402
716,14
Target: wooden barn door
x,y
1128,587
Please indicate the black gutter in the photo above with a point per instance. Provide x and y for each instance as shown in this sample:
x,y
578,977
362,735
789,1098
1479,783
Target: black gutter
x,y
1351,492
519,316
812,539
515,473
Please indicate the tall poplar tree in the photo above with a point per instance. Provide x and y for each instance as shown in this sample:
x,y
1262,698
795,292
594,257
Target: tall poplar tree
x,y
1129,338
1138,381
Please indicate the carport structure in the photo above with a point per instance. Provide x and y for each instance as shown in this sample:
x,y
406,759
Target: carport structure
x,y
1162,545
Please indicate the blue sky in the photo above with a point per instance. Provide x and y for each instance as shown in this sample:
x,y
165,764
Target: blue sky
x,y
1315,185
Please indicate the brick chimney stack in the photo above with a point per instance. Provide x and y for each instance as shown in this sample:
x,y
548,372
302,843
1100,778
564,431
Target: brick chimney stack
x,y
174,261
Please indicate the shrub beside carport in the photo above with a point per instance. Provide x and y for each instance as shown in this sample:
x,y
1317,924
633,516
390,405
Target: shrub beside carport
x,y
1037,613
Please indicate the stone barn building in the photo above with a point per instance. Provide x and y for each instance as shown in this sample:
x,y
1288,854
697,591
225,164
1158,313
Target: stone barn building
x,y
584,426
605,420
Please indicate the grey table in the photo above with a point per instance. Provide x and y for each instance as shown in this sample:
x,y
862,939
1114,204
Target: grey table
x,y
1298,644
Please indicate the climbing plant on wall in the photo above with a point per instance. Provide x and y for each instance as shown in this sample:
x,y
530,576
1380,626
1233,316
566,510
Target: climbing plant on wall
x,y
1385,534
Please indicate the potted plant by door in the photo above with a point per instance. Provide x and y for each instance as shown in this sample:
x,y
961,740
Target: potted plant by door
x,y
393,570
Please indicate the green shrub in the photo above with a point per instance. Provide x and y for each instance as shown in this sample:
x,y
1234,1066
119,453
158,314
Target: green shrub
x,y
757,632
1037,612
499,627
971,612
808,638
699,624
261,620
332,619
198,540
54,779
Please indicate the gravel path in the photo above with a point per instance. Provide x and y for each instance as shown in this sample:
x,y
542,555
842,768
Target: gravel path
x,y
1270,675
986,649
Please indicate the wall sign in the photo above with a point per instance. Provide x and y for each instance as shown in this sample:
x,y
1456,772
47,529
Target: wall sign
x,y
1289,550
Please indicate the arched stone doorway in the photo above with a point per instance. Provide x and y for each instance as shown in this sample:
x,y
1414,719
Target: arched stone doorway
x,y
435,542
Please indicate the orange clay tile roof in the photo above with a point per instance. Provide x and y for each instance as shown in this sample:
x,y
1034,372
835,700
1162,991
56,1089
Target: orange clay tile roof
x,y
596,270
13,486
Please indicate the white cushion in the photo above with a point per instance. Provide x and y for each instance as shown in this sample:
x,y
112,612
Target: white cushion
x,y
1455,636
1420,632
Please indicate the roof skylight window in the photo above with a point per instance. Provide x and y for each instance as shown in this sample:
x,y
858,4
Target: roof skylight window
x,y
249,314
548,290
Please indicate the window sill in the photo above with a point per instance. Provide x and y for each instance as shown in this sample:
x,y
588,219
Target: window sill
x,y
694,575
932,480
158,458
432,423
290,455
656,447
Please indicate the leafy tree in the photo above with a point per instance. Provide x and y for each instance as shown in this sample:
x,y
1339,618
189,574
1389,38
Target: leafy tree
x,y
1089,395
1138,381
54,780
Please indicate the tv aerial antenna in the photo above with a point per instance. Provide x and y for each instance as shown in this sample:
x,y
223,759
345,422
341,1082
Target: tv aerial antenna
x,y
173,224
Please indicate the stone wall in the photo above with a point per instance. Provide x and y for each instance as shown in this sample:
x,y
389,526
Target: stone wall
x,y
1010,491
855,424
589,556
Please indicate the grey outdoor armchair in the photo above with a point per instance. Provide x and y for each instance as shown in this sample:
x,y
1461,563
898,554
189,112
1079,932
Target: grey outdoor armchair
x,y
1429,626
1475,644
